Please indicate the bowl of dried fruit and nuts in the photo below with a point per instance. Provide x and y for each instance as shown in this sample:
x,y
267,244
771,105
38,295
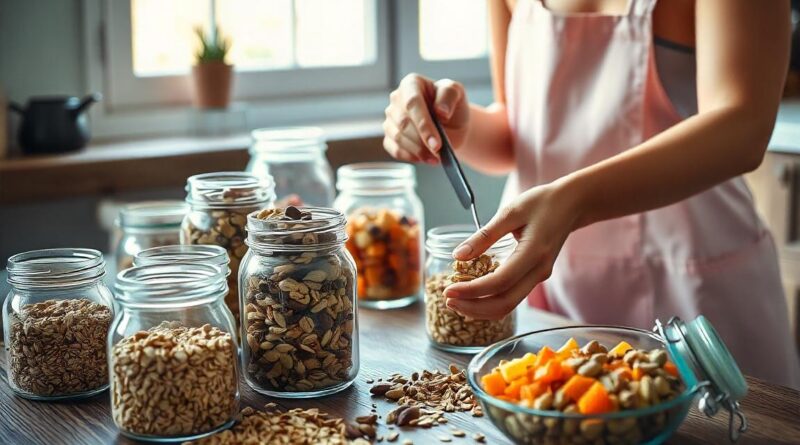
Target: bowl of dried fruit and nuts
x,y
581,385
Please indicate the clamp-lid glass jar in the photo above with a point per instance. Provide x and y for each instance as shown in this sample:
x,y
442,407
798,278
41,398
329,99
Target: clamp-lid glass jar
x,y
385,225
219,204
55,321
447,329
299,318
295,158
172,353
147,224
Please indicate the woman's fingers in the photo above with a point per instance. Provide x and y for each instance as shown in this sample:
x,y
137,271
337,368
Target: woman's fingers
x,y
394,149
413,92
500,305
448,95
506,221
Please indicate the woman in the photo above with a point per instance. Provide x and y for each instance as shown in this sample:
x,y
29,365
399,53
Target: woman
x,y
626,125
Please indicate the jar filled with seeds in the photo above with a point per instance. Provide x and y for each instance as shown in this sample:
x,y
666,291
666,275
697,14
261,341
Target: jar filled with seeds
x,y
295,158
147,224
55,322
219,204
299,324
446,328
385,227
172,353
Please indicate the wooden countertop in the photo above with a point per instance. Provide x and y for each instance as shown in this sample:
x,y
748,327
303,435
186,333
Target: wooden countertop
x,y
393,341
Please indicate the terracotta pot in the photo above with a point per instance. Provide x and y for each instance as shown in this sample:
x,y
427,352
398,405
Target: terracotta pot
x,y
212,84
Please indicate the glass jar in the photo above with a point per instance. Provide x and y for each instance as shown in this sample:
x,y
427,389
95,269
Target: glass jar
x,y
385,226
172,353
299,317
446,328
55,321
147,224
219,204
295,158
201,254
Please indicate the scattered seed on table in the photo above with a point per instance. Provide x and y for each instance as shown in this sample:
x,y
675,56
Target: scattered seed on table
x,y
445,438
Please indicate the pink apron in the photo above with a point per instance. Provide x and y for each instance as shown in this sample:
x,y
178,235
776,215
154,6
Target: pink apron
x,y
582,88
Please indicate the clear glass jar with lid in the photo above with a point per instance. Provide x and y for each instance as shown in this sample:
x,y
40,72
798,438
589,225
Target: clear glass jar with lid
x,y
385,224
300,325
147,224
447,329
172,353
219,204
295,158
55,321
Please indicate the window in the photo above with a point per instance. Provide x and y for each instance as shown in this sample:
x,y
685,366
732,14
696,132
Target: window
x,y
453,29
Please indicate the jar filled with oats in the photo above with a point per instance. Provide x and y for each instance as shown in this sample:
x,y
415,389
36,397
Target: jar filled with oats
x,y
300,330
295,158
172,353
385,227
55,321
219,204
446,328
144,225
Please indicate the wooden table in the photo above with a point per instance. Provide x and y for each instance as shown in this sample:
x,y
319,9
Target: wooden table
x,y
393,341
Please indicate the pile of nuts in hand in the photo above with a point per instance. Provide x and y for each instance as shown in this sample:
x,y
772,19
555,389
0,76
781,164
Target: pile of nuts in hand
x,y
173,380
386,248
299,315
448,327
588,380
58,347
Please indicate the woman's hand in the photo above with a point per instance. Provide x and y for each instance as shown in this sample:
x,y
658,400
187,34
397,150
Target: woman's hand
x,y
410,134
540,219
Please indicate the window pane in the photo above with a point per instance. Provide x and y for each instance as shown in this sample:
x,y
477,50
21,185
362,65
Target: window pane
x,y
452,29
331,33
163,35
260,32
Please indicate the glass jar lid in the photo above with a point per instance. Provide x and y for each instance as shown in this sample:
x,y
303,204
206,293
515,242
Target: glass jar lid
x,y
441,241
229,190
705,362
175,285
375,177
194,253
152,214
55,268
286,140
295,229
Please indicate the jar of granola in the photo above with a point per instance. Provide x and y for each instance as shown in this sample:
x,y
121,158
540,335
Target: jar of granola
x,y
300,330
446,328
295,158
385,227
219,204
55,321
172,353
147,224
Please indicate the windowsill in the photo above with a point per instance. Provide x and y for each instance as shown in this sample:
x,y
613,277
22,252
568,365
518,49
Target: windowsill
x,y
786,135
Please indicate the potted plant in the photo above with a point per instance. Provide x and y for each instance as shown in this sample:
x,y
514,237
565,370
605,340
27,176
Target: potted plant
x,y
212,75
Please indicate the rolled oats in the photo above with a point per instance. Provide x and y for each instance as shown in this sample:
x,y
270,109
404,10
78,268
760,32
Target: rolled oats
x,y
58,347
173,380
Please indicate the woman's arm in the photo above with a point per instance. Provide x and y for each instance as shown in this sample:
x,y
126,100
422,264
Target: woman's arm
x,y
480,134
742,55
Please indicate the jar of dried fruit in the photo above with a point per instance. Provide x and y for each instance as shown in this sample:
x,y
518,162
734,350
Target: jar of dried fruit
x,y
55,321
295,158
219,204
147,224
299,319
446,328
385,227
172,353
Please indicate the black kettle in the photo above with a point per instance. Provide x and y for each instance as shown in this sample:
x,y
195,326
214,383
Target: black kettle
x,y
54,124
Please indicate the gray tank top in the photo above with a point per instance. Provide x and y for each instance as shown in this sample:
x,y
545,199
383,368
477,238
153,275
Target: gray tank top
x,y
677,69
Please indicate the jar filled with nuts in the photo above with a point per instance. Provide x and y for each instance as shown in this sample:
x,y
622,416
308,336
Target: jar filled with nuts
x,y
299,324
446,328
172,353
385,227
144,225
55,321
295,158
219,204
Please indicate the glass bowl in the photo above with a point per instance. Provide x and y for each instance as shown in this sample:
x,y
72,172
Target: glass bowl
x,y
649,425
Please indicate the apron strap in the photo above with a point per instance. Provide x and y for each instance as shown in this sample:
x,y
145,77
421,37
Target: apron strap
x,y
641,8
